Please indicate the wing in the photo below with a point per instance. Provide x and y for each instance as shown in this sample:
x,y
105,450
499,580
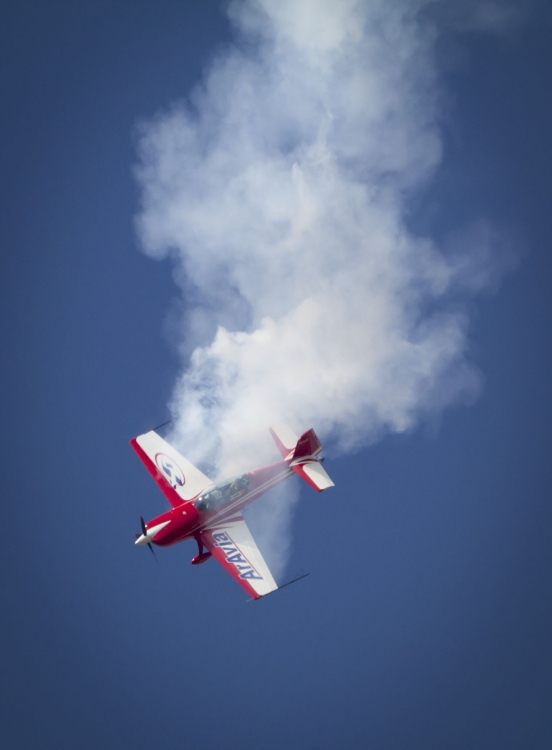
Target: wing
x,y
235,549
177,478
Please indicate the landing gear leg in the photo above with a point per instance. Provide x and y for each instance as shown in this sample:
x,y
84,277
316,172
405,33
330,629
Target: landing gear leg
x,y
201,555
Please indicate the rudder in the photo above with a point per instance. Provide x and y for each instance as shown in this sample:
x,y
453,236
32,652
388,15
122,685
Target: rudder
x,y
307,445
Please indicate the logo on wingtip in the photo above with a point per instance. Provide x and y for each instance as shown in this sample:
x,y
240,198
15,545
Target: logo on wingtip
x,y
172,473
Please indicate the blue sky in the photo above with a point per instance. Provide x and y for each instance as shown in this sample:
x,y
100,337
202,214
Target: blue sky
x,y
425,620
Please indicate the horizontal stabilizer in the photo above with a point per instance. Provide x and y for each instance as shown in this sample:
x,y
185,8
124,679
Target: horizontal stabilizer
x,y
285,439
314,474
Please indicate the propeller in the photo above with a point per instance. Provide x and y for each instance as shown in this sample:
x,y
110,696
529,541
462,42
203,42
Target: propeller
x,y
145,533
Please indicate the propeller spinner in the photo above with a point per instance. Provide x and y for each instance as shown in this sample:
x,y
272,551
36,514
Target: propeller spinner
x,y
143,537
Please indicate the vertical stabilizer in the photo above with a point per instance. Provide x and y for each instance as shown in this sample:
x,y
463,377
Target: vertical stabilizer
x,y
308,445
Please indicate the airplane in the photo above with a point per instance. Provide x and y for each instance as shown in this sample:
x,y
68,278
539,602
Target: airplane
x,y
212,513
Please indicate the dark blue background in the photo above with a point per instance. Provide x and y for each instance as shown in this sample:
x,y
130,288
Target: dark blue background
x,y
426,620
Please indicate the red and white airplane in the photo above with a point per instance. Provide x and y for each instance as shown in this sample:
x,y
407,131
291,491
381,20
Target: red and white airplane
x,y
211,514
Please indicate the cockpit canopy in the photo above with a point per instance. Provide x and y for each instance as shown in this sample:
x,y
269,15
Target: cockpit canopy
x,y
223,493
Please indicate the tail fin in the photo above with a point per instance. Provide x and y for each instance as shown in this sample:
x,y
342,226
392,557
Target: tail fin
x,y
307,445
302,453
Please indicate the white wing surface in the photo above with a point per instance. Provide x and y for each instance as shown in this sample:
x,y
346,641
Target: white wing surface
x,y
232,545
178,479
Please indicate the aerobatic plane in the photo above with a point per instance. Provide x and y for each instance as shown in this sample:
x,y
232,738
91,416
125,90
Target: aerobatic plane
x,y
212,513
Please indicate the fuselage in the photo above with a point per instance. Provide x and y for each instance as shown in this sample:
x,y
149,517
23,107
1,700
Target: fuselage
x,y
186,520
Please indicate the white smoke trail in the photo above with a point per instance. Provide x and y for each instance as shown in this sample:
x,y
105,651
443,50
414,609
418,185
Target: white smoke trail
x,y
280,191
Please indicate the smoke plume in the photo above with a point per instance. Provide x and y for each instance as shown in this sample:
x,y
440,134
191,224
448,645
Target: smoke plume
x,y
281,191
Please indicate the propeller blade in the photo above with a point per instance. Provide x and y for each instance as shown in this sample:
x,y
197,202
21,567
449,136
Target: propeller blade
x,y
145,533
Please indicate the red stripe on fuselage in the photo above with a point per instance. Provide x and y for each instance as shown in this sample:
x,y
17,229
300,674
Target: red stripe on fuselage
x,y
186,521
260,481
